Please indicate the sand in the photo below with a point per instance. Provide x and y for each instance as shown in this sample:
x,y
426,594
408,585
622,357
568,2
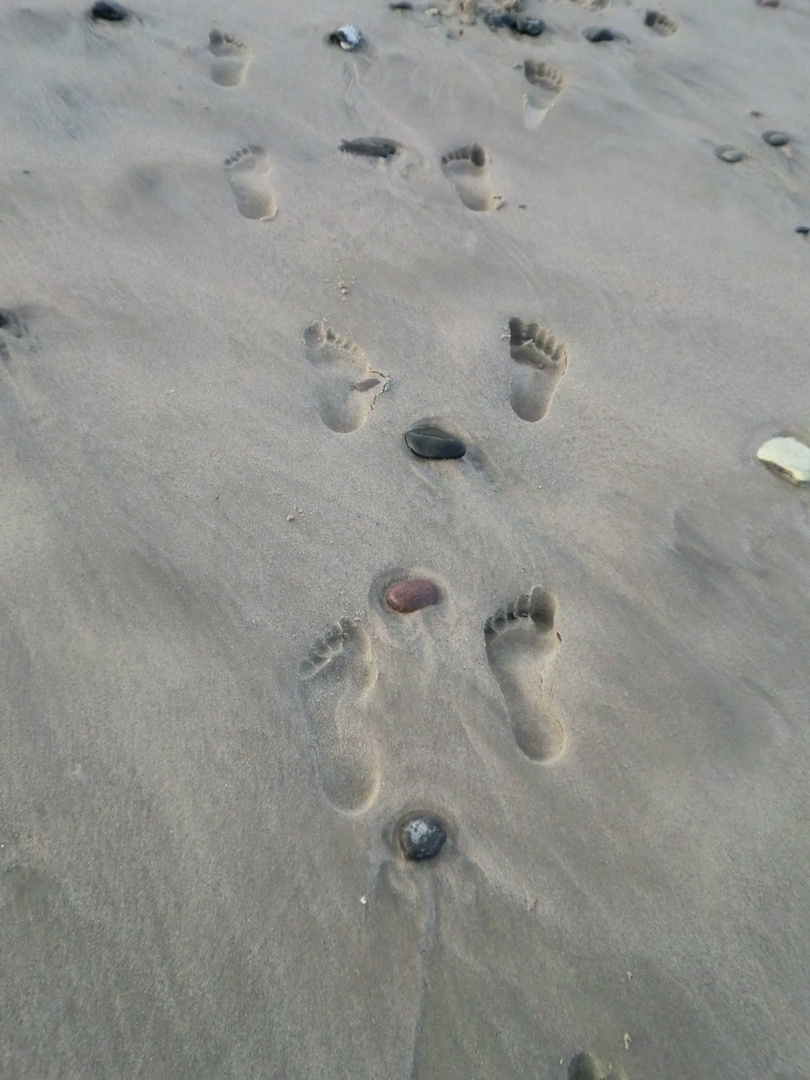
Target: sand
x,y
206,372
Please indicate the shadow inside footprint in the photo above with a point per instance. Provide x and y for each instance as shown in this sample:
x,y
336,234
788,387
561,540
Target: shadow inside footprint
x,y
543,360
248,172
229,58
468,169
336,682
521,642
545,84
347,387
585,1066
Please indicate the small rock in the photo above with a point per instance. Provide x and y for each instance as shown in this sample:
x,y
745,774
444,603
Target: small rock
x,y
108,11
421,836
776,138
370,147
803,230
729,154
768,3
530,27
498,20
401,5
408,596
599,33
432,442
348,37
788,457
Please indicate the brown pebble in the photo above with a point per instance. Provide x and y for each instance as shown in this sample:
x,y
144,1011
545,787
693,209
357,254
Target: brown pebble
x,y
408,596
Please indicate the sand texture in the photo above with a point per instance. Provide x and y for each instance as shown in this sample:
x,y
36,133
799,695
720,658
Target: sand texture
x,y
216,326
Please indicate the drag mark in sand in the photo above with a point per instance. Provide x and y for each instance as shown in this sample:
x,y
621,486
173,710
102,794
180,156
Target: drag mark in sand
x,y
521,642
247,171
545,84
468,169
542,361
230,58
336,683
347,386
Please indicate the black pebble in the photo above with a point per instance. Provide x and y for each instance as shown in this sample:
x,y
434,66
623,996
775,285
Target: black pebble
x,y
401,5
803,230
432,442
371,147
108,11
532,27
599,33
496,20
421,836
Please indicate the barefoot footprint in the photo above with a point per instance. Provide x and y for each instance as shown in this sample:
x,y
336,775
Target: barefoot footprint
x,y
585,1066
248,171
229,58
347,386
543,360
521,642
545,84
468,169
336,682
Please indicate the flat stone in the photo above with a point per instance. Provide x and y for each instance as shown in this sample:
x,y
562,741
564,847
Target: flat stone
x,y
788,457
776,138
108,11
348,37
803,230
421,836
432,442
729,154
596,34
530,27
408,596
370,147
497,20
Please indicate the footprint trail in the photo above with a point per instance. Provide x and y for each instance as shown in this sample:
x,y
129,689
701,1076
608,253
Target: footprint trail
x,y
521,642
542,361
336,683
347,386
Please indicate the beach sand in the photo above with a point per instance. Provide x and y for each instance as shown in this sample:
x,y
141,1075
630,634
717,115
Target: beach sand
x,y
206,373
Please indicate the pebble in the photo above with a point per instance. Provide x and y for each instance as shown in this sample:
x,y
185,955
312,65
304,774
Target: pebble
x,y
421,836
371,147
108,11
531,27
599,33
776,138
730,154
432,442
803,230
408,596
497,20
788,457
348,37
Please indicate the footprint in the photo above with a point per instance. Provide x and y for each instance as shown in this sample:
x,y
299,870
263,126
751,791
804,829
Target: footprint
x,y
247,171
543,360
468,168
229,58
585,1066
662,24
521,642
336,681
347,388
545,84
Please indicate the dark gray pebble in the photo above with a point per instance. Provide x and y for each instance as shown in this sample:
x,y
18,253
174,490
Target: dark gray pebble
x,y
432,442
498,20
371,147
531,27
421,836
599,33
803,230
401,5
776,138
348,37
108,11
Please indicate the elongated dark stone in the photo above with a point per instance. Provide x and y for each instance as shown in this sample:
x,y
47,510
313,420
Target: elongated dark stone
x,y
432,442
408,596
803,230
108,11
531,27
421,836
497,20
776,138
371,147
599,33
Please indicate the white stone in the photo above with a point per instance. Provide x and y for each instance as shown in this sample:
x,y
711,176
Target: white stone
x,y
788,457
